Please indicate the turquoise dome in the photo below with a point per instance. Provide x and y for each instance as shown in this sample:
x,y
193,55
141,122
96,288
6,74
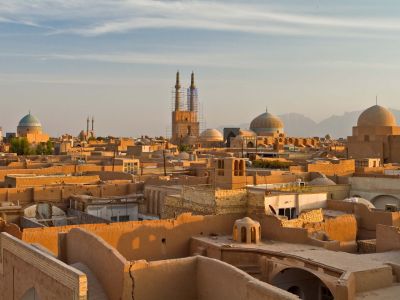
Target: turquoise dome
x,y
29,121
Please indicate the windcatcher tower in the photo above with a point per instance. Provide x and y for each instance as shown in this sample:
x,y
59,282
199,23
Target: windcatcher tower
x,y
185,121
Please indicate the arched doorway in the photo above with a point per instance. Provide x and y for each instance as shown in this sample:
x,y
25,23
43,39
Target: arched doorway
x,y
381,201
302,283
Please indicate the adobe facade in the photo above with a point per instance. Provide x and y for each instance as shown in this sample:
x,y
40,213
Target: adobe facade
x,y
375,136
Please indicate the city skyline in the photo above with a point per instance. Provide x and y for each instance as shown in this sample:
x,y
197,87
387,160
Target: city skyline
x,y
116,60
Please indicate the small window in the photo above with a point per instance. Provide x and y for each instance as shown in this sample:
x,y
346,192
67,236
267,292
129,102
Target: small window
x,y
243,234
281,212
114,219
123,218
253,235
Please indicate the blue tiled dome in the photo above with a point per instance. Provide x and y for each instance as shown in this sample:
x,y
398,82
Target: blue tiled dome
x,y
29,121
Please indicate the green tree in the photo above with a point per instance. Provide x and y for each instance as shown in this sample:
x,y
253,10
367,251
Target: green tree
x,y
271,164
40,149
20,146
49,147
44,148
183,148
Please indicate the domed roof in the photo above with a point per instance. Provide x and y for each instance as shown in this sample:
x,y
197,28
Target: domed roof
x,y
184,156
376,116
29,121
266,123
189,140
211,135
322,180
246,133
246,221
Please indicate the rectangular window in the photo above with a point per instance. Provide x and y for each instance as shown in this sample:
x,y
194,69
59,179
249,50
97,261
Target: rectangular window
x,y
123,218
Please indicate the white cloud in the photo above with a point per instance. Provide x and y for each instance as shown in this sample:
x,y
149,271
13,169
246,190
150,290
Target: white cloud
x,y
97,17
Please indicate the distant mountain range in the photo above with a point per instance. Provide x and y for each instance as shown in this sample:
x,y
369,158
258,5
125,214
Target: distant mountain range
x,y
336,126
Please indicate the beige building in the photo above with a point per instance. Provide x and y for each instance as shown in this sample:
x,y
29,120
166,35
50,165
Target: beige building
x,y
375,136
31,128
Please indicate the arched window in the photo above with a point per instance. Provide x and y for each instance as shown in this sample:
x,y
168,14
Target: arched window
x,y
241,168
253,235
243,234
236,168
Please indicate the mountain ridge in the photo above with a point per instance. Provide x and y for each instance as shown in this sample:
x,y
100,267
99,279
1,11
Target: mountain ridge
x,y
337,126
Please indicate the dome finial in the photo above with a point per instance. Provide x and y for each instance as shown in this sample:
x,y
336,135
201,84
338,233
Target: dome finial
x,y
376,99
266,109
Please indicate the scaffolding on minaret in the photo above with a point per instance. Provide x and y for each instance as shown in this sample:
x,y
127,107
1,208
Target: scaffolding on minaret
x,y
188,100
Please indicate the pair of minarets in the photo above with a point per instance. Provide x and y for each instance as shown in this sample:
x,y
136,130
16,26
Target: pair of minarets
x,y
178,93
87,125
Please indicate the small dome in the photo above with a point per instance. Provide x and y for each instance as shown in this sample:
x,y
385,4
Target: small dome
x,y
376,116
266,123
322,180
247,221
184,156
29,121
247,133
189,140
211,135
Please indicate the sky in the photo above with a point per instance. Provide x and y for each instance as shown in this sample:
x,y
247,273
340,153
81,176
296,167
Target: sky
x,y
116,60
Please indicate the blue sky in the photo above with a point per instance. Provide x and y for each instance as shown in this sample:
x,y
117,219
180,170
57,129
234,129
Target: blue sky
x,y
117,60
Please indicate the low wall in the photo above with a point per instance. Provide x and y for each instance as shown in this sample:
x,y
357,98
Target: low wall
x,y
342,228
84,218
59,194
199,278
150,240
228,282
36,273
110,267
367,218
22,181
174,279
387,238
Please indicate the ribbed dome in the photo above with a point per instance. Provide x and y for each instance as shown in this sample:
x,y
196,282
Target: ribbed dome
x,y
29,121
266,123
376,116
211,135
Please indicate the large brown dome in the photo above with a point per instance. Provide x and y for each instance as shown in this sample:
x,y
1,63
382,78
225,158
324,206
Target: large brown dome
x,y
211,135
266,123
376,116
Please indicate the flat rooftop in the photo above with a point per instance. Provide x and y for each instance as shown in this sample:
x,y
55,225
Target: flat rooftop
x,y
338,260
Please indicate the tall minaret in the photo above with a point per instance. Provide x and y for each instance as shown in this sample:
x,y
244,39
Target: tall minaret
x,y
192,91
92,124
87,126
177,93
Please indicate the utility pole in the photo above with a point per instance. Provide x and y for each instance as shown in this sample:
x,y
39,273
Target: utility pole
x,y
165,167
115,154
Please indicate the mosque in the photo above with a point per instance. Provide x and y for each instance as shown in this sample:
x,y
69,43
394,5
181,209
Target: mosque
x,y
30,128
266,131
375,136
